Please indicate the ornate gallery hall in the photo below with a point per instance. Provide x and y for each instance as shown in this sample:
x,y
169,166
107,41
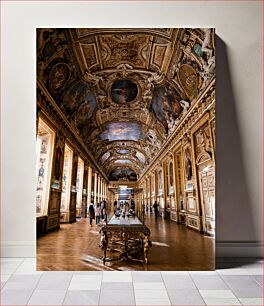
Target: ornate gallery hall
x,y
125,174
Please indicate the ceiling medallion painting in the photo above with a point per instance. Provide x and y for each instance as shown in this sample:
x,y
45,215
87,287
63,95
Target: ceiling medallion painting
x,y
125,90
189,80
59,76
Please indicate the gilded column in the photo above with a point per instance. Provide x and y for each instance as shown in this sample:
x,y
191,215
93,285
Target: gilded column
x,y
142,205
146,194
150,192
176,200
155,186
168,184
95,188
89,186
101,189
98,188
105,191
164,188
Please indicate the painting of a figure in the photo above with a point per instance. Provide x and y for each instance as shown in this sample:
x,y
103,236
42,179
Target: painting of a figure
x,y
122,131
79,104
124,91
122,174
59,76
166,103
188,164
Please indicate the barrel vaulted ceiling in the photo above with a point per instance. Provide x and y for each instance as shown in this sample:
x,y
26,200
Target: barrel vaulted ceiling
x,y
124,90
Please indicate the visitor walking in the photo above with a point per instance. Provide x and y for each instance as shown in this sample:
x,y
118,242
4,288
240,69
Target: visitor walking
x,y
102,207
97,214
91,212
156,210
104,214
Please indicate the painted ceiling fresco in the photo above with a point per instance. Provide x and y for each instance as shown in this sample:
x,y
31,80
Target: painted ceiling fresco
x,y
122,131
122,174
123,161
124,90
79,103
166,103
122,151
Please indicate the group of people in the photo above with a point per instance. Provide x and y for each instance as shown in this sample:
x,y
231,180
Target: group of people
x,y
124,206
97,212
124,209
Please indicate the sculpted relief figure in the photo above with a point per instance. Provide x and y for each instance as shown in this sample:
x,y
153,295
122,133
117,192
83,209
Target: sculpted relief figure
x,y
185,105
92,78
146,149
208,70
209,65
156,78
152,139
148,91
96,80
205,46
204,141
171,124
148,85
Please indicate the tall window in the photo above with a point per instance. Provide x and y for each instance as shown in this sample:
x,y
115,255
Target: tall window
x,y
45,147
79,182
66,178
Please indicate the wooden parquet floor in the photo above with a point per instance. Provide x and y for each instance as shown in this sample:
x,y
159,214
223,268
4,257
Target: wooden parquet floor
x,y
75,247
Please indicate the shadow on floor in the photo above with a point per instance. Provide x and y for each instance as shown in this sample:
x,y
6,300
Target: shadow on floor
x,y
222,263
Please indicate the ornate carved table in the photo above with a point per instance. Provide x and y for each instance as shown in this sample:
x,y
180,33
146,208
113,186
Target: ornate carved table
x,y
128,236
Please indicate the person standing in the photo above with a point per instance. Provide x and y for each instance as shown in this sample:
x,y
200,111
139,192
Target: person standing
x,y
91,212
97,214
102,208
156,210
104,214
